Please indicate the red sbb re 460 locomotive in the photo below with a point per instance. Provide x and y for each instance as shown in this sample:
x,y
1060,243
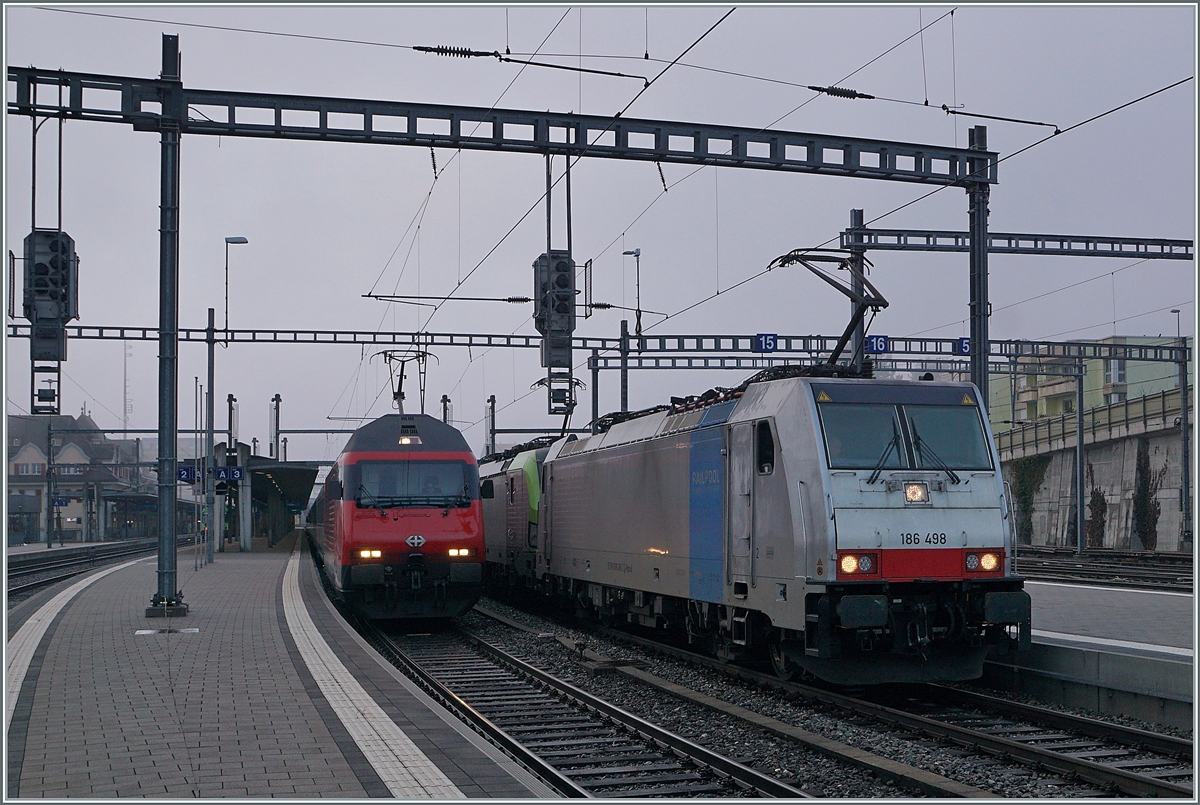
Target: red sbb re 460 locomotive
x,y
403,530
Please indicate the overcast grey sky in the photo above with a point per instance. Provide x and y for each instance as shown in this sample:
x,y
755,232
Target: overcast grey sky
x,y
330,222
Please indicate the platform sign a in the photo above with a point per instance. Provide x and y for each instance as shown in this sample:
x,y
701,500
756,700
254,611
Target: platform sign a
x,y
962,346
60,502
877,344
766,342
229,473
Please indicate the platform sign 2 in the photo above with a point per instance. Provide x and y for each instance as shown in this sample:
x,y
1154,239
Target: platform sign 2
x,y
186,474
877,344
962,346
766,342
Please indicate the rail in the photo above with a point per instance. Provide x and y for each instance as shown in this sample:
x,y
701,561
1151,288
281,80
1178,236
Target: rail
x,y
1102,768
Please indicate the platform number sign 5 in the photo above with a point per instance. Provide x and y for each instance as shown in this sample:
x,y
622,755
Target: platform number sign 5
x,y
766,342
877,344
962,346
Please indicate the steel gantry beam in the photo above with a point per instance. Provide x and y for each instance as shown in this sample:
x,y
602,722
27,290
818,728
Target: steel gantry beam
x,y
147,104
936,240
814,346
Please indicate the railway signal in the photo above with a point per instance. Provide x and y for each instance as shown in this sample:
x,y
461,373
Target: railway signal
x,y
554,306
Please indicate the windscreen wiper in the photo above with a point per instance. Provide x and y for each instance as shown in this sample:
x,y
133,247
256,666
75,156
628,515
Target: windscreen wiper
x,y
364,493
454,500
924,450
894,444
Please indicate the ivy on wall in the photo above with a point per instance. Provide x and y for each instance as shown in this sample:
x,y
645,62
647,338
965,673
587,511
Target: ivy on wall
x,y
1093,527
1027,476
1146,507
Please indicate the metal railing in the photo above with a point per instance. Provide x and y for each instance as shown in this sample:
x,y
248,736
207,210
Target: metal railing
x,y
1150,412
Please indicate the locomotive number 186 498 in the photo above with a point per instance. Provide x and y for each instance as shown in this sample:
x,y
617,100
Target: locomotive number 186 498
x,y
931,538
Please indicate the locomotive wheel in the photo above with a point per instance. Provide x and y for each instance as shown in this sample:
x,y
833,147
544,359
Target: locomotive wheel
x,y
784,668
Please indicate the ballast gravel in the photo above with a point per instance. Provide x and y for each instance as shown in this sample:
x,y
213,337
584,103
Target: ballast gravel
x,y
785,760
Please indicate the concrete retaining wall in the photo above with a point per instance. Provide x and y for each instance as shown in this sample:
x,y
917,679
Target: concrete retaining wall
x,y
1111,468
1155,690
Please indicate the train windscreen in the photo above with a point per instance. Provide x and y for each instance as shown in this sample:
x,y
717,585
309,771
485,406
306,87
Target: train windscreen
x,y
388,484
909,436
951,433
862,436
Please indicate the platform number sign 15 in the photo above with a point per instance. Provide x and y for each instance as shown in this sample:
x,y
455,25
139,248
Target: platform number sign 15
x,y
877,344
766,342
963,346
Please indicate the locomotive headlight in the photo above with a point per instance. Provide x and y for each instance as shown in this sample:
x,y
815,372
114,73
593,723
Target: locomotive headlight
x,y
916,492
370,554
865,564
989,561
849,564
972,561
460,551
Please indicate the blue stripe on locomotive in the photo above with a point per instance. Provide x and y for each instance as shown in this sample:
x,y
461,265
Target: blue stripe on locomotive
x,y
706,510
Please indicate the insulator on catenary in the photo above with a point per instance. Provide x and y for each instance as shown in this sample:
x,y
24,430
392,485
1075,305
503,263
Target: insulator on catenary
x,y
450,50
841,92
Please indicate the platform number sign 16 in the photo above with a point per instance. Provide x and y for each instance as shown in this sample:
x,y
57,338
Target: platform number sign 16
x,y
963,346
766,342
877,344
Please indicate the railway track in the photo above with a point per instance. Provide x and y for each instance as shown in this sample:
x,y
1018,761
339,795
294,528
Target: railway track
x,y
1110,756
1142,570
847,756
581,745
27,572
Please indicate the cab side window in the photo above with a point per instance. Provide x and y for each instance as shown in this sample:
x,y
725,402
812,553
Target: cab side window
x,y
764,448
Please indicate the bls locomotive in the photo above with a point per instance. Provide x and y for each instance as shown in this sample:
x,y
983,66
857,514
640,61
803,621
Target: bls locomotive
x,y
402,527
850,528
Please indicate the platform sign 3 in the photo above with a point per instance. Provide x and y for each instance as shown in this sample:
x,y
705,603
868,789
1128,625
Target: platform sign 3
x,y
766,342
877,344
229,473
962,346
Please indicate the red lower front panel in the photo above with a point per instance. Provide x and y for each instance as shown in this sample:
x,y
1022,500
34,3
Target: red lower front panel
x,y
914,564
900,564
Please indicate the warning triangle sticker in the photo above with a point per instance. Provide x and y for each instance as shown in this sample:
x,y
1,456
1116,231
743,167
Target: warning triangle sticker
x,y
823,397
967,400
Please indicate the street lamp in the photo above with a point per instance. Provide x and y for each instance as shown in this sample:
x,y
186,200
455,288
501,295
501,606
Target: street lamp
x,y
234,240
637,323
1175,310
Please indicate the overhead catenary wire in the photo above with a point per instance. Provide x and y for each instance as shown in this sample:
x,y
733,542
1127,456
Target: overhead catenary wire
x,y
418,216
230,28
449,50
939,189
1123,318
693,172
584,153
996,310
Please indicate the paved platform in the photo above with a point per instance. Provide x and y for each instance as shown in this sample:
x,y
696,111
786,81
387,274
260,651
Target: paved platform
x,y
40,547
1114,619
261,691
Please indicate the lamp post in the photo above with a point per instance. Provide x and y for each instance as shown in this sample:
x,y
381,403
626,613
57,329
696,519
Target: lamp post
x,y
1185,486
211,463
234,240
637,319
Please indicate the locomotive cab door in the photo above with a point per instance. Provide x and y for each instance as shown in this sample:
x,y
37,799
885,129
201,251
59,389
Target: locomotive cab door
x,y
740,532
